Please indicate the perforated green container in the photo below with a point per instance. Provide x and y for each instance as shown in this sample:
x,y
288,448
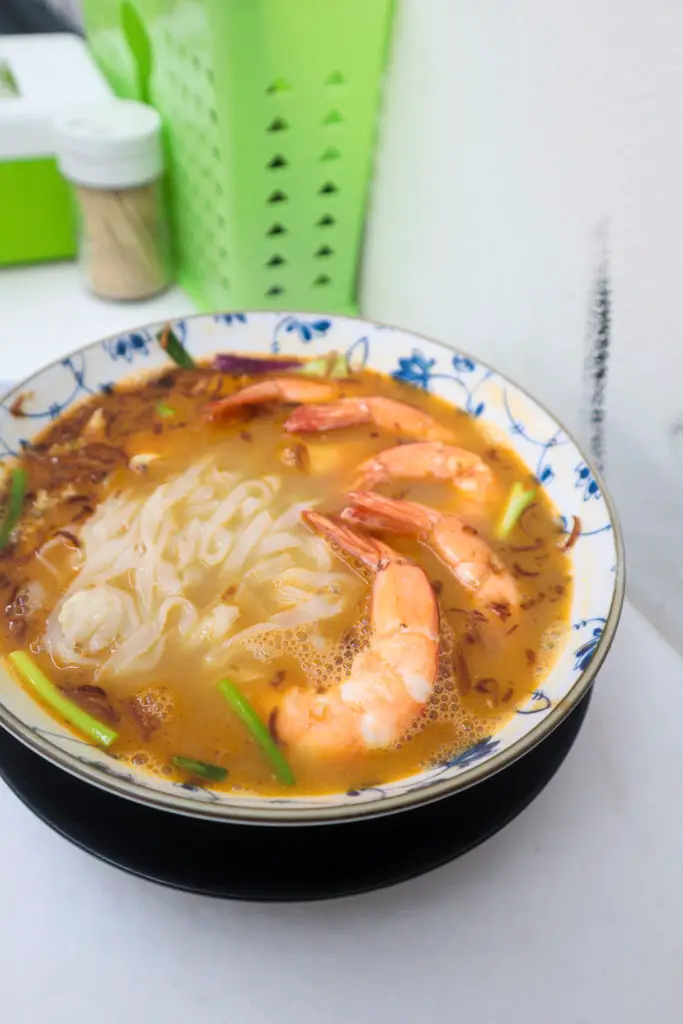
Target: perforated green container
x,y
270,108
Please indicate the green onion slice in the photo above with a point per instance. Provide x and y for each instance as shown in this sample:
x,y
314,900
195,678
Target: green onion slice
x,y
517,503
213,772
334,364
243,709
175,349
15,503
164,410
50,695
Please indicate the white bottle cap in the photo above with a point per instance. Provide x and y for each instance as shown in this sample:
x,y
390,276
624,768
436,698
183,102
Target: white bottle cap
x,y
113,144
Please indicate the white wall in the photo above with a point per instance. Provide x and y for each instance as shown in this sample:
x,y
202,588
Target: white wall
x,y
525,143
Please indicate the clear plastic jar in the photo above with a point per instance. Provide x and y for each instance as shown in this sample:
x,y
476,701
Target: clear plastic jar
x,y
112,155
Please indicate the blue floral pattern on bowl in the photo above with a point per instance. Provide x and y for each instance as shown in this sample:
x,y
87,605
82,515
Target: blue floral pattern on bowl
x,y
423,372
584,654
508,414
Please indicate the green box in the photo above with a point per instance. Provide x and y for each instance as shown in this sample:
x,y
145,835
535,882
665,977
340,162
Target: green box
x,y
270,108
41,75
36,213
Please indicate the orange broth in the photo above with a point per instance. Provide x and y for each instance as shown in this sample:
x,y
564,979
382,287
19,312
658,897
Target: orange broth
x,y
175,708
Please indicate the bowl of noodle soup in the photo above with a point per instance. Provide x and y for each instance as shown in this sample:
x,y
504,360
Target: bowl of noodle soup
x,y
185,568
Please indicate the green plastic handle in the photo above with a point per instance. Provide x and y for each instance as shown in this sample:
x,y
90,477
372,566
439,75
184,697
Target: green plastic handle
x,y
140,45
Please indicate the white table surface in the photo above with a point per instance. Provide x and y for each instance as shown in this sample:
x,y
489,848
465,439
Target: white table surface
x,y
45,314
572,915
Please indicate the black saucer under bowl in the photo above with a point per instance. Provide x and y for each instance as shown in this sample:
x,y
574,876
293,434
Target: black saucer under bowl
x,y
255,862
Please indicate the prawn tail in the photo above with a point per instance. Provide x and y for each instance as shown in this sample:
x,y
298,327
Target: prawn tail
x,y
373,510
331,416
367,550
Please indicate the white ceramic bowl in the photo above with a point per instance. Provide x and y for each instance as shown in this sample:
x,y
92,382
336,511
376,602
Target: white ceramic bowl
x,y
509,414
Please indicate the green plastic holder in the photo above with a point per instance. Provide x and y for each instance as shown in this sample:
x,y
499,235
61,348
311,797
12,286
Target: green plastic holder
x,y
270,109
36,212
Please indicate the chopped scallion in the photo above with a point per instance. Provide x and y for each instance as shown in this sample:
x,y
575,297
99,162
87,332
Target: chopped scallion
x,y
164,410
15,503
175,349
334,364
214,772
243,709
50,695
517,503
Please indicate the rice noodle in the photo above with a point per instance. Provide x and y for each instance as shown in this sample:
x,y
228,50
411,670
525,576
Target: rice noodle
x,y
154,571
277,542
270,568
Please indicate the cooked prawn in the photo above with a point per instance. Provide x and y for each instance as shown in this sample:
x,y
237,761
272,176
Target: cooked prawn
x,y
390,681
384,413
282,390
469,556
429,460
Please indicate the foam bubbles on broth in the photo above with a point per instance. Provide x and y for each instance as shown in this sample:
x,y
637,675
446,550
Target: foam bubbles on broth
x,y
446,706
324,663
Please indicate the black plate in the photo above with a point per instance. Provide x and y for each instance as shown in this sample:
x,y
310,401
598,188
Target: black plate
x,y
253,862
